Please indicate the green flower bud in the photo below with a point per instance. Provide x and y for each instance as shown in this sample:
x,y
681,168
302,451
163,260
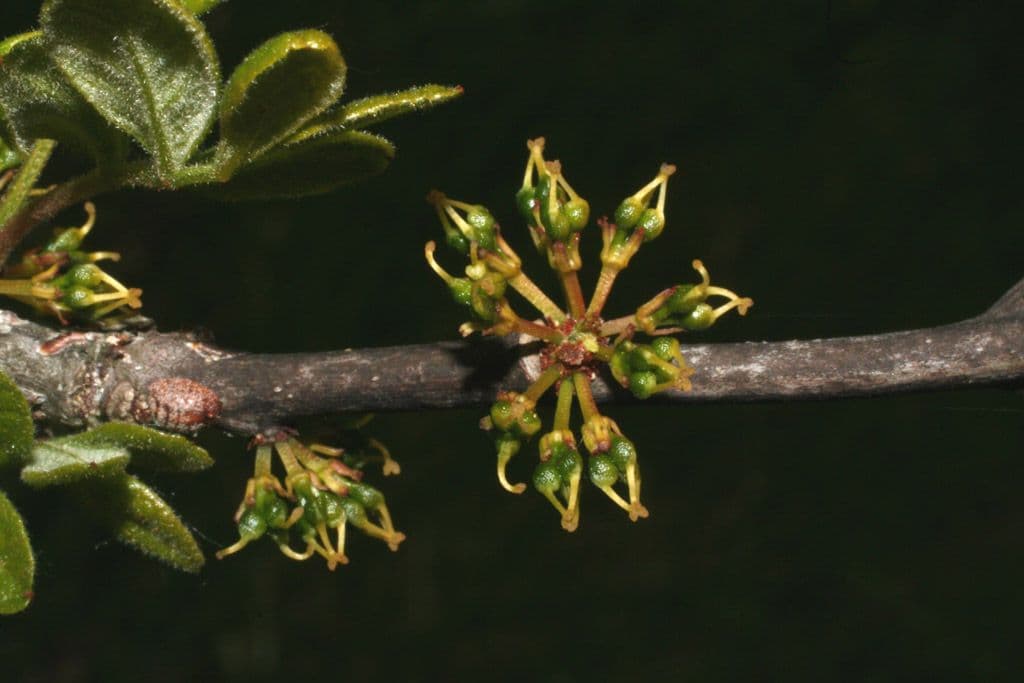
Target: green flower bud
x,y
529,423
577,212
569,464
354,512
666,348
83,275
622,452
457,241
546,478
643,383
252,525
652,222
502,415
482,223
685,298
700,318
526,200
558,225
602,471
77,298
462,291
330,506
628,213
365,495
65,240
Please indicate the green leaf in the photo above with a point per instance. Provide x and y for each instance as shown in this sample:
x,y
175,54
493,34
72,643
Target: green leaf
x,y
146,65
8,43
280,86
8,157
36,101
198,7
312,166
138,517
16,429
71,458
150,448
17,565
370,111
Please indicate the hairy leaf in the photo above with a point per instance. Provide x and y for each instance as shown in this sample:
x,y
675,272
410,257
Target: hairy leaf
x,y
150,448
281,85
70,459
312,166
198,7
36,101
16,428
370,111
8,43
146,65
17,565
138,517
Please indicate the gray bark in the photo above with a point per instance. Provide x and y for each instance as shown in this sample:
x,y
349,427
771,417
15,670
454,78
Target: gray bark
x,y
79,378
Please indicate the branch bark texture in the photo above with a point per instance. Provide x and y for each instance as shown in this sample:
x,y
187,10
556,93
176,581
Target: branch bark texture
x,y
171,379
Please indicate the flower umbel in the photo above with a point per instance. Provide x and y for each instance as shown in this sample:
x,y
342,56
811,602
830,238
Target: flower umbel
x,y
64,281
321,496
578,341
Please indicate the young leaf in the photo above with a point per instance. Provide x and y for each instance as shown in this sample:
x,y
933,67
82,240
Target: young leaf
x,y
312,166
16,428
150,448
36,101
138,517
69,459
146,65
281,85
198,7
17,565
370,111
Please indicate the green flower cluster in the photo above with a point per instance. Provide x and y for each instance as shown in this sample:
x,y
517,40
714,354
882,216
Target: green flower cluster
x,y
62,280
578,340
320,498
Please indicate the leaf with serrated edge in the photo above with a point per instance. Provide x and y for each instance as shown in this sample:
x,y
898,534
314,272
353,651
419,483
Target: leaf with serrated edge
x,y
16,428
313,166
369,111
36,101
17,564
66,460
146,65
277,88
138,517
150,448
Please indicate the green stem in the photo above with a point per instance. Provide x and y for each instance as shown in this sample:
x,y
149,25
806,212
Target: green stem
x,y
573,293
564,407
585,396
543,383
532,293
548,334
604,287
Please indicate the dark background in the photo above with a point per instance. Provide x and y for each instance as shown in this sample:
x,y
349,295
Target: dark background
x,y
852,166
